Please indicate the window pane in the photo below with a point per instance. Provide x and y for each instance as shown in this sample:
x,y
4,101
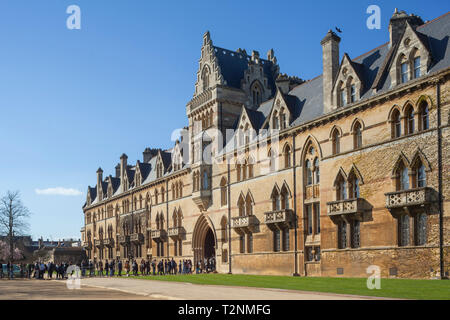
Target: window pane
x,y
317,217
309,218
421,231
286,239
404,70
404,230
276,240
421,177
417,67
404,179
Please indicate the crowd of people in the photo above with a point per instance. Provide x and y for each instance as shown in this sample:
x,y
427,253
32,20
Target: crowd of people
x,y
145,267
35,270
110,268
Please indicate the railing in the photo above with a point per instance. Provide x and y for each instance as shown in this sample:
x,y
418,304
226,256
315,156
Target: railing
x,y
124,239
346,206
175,231
312,192
278,216
98,243
87,245
109,242
137,238
407,198
158,234
243,222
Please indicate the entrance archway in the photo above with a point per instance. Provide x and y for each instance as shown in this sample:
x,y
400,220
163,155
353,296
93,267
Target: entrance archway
x,y
204,240
209,246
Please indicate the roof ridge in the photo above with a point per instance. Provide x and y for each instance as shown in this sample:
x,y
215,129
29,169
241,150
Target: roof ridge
x,y
435,19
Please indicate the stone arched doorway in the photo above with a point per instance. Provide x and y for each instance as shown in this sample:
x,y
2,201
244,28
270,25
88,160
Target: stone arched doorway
x,y
204,242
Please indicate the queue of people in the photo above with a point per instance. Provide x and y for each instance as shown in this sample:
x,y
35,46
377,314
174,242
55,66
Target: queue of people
x,y
37,270
144,267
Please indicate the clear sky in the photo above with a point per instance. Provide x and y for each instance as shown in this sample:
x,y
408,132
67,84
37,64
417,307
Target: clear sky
x,y
74,100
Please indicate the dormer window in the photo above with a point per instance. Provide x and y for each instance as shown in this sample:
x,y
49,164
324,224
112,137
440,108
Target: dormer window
x,y
256,94
404,72
416,67
343,98
352,93
276,121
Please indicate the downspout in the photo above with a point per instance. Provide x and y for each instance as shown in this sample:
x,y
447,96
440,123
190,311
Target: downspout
x,y
294,167
167,215
229,218
440,200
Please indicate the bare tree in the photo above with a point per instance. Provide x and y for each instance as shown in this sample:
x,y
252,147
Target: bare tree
x,y
13,215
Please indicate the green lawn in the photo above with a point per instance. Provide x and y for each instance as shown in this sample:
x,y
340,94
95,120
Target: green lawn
x,y
390,288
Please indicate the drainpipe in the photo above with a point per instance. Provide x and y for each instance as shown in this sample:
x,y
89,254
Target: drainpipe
x,y
229,218
294,167
167,215
440,202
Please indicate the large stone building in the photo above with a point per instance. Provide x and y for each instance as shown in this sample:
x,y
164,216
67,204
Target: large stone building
x,y
328,177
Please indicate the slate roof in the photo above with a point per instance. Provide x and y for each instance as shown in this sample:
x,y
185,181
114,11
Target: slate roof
x,y
233,65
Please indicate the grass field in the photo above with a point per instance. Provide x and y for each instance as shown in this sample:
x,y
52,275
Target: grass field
x,y
390,288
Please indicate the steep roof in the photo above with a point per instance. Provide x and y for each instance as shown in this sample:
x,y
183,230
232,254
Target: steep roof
x,y
233,65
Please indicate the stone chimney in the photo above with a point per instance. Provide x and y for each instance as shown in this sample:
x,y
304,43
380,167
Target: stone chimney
x,y
118,170
397,24
330,61
99,184
282,83
149,154
123,167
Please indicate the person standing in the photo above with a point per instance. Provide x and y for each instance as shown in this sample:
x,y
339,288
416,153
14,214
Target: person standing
x,y
106,268
119,267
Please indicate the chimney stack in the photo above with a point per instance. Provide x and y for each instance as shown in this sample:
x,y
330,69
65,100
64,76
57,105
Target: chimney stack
x,y
99,184
118,170
330,60
397,24
123,167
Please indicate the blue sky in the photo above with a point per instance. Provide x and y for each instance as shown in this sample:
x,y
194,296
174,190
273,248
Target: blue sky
x,y
74,100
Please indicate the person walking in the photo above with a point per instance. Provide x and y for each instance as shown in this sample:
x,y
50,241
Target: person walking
x,y
106,267
100,267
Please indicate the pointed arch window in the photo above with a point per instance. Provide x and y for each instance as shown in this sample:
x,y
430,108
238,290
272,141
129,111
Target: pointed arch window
x,y
341,187
336,140
287,156
424,117
276,121
396,124
284,198
309,176
416,65
272,159
256,94
248,205
276,200
316,171
223,192
409,120
205,77
402,177
357,136
241,205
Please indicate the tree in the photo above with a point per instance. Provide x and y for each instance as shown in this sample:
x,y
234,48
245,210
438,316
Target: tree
x,y
13,215
5,253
